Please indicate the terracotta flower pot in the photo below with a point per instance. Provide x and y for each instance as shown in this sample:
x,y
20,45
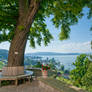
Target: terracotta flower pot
x,y
44,73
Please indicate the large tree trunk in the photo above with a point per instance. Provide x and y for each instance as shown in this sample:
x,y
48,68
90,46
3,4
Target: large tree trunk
x,y
17,49
18,44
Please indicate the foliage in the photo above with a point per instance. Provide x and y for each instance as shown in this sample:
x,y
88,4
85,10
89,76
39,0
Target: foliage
x,y
90,89
66,72
45,67
53,64
5,83
64,13
38,65
1,64
81,66
87,78
65,80
8,18
62,68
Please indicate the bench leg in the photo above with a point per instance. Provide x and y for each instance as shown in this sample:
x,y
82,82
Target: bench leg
x,y
29,79
24,80
16,82
0,83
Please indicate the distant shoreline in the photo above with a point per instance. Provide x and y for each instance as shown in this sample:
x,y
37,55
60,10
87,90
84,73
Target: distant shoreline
x,y
5,53
51,53
57,55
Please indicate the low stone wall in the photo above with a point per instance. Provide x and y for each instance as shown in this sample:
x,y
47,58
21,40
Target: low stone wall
x,y
53,85
37,72
47,88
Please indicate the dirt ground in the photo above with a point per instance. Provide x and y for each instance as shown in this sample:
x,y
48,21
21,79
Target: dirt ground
x,y
27,87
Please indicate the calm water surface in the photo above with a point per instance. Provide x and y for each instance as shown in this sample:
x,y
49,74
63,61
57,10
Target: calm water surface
x,y
66,60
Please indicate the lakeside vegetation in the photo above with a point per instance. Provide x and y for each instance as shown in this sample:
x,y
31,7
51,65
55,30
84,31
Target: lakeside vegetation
x,y
80,76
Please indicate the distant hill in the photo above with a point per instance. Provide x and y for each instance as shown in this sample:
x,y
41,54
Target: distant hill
x,y
3,54
51,53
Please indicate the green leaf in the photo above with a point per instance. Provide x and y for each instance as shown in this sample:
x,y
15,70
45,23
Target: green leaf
x,y
65,13
21,27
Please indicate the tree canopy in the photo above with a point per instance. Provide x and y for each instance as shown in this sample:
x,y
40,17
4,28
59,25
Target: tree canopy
x,y
65,13
81,67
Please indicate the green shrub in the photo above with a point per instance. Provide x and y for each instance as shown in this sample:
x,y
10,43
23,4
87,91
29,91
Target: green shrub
x,y
90,89
4,83
87,78
38,65
1,64
81,66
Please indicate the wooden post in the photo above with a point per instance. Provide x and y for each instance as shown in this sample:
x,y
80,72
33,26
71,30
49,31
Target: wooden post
x,y
16,82
24,80
29,79
0,83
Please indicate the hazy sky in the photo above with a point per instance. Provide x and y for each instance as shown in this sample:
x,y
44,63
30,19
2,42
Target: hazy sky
x,y
79,41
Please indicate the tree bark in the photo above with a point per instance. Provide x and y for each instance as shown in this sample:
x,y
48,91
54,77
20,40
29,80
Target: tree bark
x,y
18,44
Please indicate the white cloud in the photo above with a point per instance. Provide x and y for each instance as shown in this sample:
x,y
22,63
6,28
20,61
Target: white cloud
x,y
79,47
82,47
4,45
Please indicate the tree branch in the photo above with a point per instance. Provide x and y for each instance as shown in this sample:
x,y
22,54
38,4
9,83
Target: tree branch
x,y
33,9
23,7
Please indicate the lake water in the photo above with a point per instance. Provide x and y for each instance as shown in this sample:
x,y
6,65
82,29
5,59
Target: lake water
x,y
66,60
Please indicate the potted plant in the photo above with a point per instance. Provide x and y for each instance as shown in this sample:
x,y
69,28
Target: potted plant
x,y
45,70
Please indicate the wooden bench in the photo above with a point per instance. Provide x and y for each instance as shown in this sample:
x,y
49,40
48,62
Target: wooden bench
x,y
28,75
